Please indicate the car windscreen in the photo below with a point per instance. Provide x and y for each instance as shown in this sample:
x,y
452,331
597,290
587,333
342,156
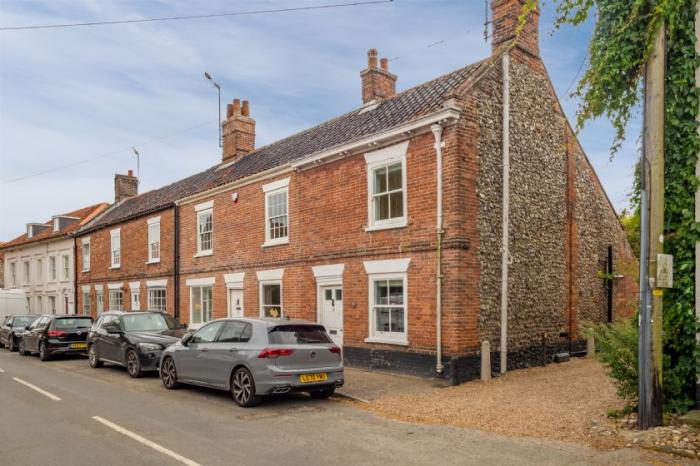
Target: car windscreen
x,y
23,321
147,322
298,335
70,323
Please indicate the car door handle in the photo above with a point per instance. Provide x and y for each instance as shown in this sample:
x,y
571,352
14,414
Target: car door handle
x,y
233,350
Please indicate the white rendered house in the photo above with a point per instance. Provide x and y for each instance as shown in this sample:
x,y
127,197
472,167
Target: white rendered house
x,y
42,261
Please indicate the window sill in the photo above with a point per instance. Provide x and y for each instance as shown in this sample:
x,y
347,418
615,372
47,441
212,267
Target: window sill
x,y
112,267
275,242
153,261
204,253
85,270
387,226
386,341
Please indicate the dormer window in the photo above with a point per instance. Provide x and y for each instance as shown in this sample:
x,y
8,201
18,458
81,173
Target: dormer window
x,y
56,224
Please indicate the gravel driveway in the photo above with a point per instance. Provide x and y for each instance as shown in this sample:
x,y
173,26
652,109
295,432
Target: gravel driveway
x,y
559,402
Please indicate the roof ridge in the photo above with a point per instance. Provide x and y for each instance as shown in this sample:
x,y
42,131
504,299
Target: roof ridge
x,y
356,109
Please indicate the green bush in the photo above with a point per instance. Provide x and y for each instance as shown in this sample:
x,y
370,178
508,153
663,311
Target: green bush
x,y
617,348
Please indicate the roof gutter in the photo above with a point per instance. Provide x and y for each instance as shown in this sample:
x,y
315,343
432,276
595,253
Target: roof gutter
x,y
446,115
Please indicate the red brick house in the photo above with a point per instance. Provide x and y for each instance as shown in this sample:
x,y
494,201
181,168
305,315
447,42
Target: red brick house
x,y
391,225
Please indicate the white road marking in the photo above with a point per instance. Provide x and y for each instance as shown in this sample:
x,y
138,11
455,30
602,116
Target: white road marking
x,y
146,442
35,388
2,371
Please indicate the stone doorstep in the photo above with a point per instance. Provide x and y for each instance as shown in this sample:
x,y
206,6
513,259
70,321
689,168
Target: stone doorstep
x,y
365,386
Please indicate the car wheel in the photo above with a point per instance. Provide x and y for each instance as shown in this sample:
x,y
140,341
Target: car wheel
x,y
133,365
43,353
22,349
2,345
168,374
11,344
94,361
243,388
322,394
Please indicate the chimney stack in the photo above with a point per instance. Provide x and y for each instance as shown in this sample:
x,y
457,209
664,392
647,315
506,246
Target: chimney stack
x,y
504,17
377,83
238,131
125,186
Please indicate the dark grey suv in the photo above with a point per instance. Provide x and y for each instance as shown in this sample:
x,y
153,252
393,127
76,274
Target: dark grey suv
x,y
256,357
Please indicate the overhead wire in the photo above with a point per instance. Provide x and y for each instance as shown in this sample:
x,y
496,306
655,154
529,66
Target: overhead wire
x,y
188,17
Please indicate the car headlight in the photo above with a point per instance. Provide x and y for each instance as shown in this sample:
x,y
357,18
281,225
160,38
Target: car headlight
x,y
150,347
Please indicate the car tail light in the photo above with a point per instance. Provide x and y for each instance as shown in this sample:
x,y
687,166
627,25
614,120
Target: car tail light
x,y
334,349
272,353
57,333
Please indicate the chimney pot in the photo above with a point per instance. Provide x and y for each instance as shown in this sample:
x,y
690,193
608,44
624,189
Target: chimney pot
x,y
372,59
238,131
125,186
377,84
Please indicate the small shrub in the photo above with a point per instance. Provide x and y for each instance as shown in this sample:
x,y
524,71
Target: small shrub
x,y
617,348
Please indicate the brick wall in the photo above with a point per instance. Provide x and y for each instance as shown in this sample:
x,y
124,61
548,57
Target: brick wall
x,y
328,216
134,257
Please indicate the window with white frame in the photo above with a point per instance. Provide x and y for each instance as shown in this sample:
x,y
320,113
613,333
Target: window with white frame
x,y
39,270
277,212
52,268
389,307
386,187
116,302
13,273
154,239
388,298
157,299
205,228
52,304
115,248
66,267
135,299
99,301
87,308
86,254
27,274
271,299
201,304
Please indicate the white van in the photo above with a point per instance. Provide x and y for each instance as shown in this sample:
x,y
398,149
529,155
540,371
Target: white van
x,y
12,302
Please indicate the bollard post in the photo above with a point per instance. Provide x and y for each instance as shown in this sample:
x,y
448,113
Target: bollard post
x,y
485,361
590,346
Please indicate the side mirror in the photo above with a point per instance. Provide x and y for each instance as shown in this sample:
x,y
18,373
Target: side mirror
x,y
186,339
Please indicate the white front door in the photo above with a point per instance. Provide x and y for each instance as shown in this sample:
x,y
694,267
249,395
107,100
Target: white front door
x,y
235,303
332,312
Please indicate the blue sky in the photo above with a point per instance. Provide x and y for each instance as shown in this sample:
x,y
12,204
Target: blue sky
x,y
67,95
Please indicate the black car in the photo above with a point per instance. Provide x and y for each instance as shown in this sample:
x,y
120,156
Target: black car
x,y
134,340
50,335
12,329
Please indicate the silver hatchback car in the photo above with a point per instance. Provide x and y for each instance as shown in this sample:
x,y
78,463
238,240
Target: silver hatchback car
x,y
256,357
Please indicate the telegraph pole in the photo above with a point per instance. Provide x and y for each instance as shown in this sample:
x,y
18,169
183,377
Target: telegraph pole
x,y
651,308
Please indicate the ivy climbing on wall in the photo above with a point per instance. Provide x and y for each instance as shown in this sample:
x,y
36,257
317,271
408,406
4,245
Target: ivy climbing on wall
x,y
611,87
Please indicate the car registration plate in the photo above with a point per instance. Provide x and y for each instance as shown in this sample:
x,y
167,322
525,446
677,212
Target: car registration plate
x,y
308,378
78,345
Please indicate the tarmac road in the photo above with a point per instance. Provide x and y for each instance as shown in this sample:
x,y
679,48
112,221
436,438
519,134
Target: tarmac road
x,y
63,412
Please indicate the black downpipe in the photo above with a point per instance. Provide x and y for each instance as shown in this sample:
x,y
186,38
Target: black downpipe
x,y
75,276
176,261
609,283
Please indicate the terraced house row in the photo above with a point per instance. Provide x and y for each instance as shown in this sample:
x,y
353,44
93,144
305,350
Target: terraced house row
x,y
413,227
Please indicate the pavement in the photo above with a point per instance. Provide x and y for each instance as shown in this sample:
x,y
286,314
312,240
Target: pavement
x,y
366,386
65,413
